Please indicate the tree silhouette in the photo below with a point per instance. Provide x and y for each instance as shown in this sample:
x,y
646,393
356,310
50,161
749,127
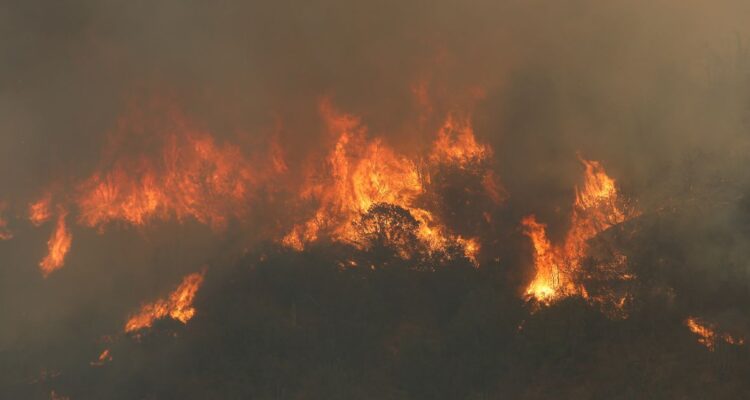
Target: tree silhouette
x,y
387,231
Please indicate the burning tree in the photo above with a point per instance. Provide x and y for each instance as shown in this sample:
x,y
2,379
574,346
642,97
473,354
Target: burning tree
x,y
388,227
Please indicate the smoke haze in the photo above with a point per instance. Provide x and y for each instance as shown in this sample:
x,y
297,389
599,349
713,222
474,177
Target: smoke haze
x,y
657,91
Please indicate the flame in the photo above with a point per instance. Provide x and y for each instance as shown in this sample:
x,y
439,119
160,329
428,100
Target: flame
x,y
104,357
547,283
361,173
39,211
471,248
597,207
181,172
708,336
456,143
58,246
179,305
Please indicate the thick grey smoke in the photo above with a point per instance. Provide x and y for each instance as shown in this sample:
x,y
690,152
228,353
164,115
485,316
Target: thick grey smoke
x,y
659,91
638,84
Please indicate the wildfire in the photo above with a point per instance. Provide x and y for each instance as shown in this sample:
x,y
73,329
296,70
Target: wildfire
x,y
362,174
708,336
179,305
597,207
193,178
182,173
155,168
58,246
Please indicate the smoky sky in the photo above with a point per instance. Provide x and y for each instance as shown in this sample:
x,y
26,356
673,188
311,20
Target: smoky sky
x,y
656,90
638,84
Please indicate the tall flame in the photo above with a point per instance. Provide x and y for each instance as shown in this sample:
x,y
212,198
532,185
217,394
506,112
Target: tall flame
x,y
194,177
178,171
178,306
361,173
549,281
597,207
58,246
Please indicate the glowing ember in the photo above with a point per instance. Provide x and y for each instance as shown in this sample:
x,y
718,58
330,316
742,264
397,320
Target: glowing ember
x,y
58,246
596,208
179,305
39,211
103,358
708,336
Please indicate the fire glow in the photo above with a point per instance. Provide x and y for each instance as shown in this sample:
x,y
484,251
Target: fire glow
x,y
39,211
178,306
597,207
58,246
361,192
708,336
193,176
361,173
104,357
186,173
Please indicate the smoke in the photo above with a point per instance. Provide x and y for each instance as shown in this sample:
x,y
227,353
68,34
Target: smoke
x,y
633,83
658,91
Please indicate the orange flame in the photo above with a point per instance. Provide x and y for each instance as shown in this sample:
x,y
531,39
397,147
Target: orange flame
x,y
707,335
194,178
103,358
456,144
547,283
361,173
58,246
178,172
597,207
39,211
179,305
